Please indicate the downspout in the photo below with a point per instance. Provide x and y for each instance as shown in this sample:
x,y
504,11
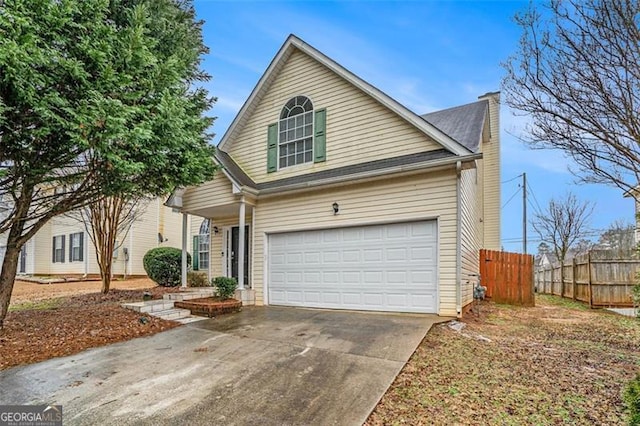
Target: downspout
x,y
458,241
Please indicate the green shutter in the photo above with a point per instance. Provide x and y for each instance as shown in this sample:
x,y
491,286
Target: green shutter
x,y
272,148
320,137
195,261
81,246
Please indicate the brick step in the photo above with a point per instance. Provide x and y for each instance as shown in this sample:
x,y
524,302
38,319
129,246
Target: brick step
x,y
210,307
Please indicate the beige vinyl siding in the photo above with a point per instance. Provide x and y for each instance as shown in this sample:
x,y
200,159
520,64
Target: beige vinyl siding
x,y
42,250
64,225
491,178
423,196
215,192
358,128
142,237
470,236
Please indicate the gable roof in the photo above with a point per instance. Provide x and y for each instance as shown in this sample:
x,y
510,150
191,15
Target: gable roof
x,y
294,43
463,123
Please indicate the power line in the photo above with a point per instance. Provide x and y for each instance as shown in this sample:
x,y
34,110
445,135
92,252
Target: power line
x,y
534,198
515,193
512,179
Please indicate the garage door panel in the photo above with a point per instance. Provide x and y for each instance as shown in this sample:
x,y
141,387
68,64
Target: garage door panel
x,y
385,267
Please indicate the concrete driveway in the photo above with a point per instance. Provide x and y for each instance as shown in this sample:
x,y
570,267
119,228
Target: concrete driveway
x,y
264,365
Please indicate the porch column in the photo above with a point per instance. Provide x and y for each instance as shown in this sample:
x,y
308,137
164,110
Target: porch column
x,y
241,247
183,276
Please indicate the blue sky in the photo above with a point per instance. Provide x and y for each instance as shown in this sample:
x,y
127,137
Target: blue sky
x,y
428,55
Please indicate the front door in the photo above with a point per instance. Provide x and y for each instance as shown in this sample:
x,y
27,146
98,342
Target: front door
x,y
235,238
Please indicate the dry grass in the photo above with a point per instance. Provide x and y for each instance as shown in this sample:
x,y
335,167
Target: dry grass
x,y
557,363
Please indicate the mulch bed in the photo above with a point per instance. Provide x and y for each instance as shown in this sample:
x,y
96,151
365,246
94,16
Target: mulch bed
x,y
75,324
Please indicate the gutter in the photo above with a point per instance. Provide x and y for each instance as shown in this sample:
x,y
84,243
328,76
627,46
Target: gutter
x,y
458,241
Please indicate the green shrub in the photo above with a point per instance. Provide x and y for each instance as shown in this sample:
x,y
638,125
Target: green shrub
x,y
164,265
632,401
197,279
226,286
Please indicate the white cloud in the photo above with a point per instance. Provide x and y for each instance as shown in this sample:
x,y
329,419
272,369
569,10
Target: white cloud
x,y
229,103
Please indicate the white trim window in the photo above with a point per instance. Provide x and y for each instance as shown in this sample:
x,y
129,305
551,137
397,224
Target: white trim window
x,y
76,247
203,245
295,133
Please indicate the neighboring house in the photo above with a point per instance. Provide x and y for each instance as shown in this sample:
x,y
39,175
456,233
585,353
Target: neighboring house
x,y
334,195
62,246
546,259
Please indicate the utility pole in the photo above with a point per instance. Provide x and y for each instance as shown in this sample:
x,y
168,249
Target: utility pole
x,y
524,213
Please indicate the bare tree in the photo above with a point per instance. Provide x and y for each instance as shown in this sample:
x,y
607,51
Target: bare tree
x,y
108,221
619,237
582,246
576,75
564,222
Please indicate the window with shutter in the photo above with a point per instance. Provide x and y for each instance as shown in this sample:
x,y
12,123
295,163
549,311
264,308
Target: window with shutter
x,y
295,132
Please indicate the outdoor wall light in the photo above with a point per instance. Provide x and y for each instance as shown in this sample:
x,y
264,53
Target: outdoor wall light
x,y
215,230
336,208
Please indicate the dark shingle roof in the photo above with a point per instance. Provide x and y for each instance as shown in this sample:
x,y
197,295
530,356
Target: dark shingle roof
x,y
463,123
241,177
233,169
358,168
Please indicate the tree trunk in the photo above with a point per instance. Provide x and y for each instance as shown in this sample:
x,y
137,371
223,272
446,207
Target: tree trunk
x,y
105,273
105,260
105,223
7,278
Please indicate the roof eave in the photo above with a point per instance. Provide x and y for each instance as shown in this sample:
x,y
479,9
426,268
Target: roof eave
x,y
406,168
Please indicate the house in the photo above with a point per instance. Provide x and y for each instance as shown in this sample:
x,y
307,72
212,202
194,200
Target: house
x,y
334,195
63,248
545,259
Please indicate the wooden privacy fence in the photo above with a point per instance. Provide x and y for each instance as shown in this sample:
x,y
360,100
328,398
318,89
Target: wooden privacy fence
x,y
600,278
508,277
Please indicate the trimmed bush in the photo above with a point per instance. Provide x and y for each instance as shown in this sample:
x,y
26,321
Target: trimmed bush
x,y
197,279
164,265
632,401
226,287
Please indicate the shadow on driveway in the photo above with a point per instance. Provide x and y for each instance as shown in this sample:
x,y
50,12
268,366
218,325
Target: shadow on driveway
x,y
264,365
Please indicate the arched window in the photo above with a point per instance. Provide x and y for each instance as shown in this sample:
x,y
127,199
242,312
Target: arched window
x,y
295,133
203,245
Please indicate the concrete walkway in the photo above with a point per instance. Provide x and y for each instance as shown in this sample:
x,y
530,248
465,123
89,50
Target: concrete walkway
x,y
267,366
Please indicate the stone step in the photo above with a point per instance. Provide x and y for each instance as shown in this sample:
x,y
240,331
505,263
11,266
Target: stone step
x,y
190,319
172,314
188,295
150,306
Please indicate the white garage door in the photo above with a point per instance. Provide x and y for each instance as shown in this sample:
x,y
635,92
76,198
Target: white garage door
x,y
383,268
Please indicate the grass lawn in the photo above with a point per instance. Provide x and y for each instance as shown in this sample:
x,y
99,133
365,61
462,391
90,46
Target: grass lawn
x,y
557,363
